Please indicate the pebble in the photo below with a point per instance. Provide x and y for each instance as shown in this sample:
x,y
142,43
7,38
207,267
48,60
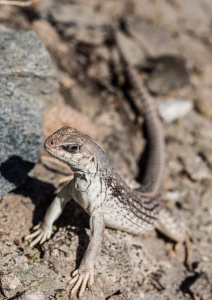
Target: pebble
x,y
61,295
172,196
33,295
173,109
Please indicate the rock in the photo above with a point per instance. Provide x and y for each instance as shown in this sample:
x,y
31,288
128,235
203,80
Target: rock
x,y
207,154
10,284
122,260
100,72
61,114
201,287
168,73
125,295
203,105
79,14
10,257
197,55
173,109
101,53
155,42
89,104
98,69
194,165
172,196
80,21
10,16
132,51
60,52
61,295
33,295
27,82
191,17
24,274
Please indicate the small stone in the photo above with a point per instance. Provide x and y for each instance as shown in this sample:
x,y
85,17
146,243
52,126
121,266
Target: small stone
x,y
173,109
194,164
203,106
61,295
34,283
33,295
142,295
125,295
101,53
172,196
55,252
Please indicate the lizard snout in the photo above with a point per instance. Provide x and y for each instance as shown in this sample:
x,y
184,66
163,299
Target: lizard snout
x,y
49,143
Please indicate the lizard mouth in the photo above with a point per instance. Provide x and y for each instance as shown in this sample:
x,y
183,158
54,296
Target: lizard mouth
x,y
52,152
67,161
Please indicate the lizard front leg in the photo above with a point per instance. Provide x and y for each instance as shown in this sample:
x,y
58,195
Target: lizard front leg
x,y
85,274
43,231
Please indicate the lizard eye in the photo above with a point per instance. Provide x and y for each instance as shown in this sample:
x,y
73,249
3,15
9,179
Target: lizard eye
x,y
71,148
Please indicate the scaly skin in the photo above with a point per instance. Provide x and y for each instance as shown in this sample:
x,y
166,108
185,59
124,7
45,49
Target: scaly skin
x,y
100,190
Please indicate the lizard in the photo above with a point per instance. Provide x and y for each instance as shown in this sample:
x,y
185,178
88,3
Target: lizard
x,y
102,193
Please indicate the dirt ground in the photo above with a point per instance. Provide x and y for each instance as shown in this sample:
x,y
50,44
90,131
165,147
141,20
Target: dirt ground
x,y
170,43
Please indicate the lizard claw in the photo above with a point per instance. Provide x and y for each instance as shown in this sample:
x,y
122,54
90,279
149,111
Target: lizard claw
x,y
80,280
42,234
36,226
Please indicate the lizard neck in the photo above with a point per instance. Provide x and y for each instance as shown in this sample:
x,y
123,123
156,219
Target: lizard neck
x,y
92,169
89,188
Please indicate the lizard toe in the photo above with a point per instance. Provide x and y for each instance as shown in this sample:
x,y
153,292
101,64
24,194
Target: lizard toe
x,y
80,280
32,235
36,241
42,234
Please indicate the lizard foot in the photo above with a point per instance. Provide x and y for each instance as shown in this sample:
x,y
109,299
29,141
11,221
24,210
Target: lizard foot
x,y
81,279
42,233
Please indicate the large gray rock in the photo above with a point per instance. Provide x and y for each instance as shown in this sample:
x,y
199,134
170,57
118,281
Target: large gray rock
x,y
27,83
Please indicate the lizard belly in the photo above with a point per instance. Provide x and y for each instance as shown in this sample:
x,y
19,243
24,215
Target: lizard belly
x,y
122,220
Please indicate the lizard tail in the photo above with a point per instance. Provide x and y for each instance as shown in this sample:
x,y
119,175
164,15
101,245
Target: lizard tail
x,y
154,173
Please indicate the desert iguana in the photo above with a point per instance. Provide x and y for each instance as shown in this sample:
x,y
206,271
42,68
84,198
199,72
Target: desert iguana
x,y
103,194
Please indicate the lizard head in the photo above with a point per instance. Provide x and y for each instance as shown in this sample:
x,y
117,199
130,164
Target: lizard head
x,y
76,149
